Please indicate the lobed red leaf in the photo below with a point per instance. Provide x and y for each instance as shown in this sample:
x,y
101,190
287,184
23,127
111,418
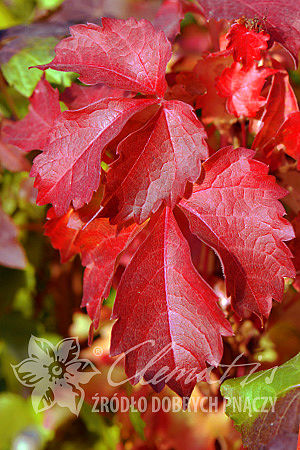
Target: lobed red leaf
x,y
173,312
125,54
100,245
235,210
246,44
31,133
281,102
242,88
279,19
288,136
156,162
69,168
77,96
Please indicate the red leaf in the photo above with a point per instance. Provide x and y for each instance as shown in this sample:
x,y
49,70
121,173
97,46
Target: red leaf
x,y
168,18
242,88
246,44
12,158
171,312
277,427
280,19
100,245
235,210
31,132
186,88
281,102
156,162
206,72
69,168
126,54
171,13
11,253
76,96
63,230
294,246
62,237
289,136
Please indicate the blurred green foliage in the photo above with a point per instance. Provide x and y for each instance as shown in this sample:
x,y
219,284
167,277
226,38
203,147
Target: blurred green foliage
x,y
17,73
20,317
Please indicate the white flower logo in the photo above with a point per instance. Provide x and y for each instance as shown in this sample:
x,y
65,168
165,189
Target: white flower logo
x,y
55,374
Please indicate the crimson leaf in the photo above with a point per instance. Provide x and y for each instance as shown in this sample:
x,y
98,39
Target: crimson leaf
x,y
281,102
62,237
76,96
156,162
173,313
100,245
289,136
31,132
242,87
246,44
294,245
206,72
12,158
235,210
125,54
69,168
280,19
168,18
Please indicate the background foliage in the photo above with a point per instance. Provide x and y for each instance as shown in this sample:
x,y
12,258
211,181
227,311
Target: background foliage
x,y
41,296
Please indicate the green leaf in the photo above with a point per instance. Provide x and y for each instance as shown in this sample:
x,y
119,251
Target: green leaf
x,y
49,4
257,402
20,104
7,19
15,332
17,417
21,10
137,422
17,73
108,437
